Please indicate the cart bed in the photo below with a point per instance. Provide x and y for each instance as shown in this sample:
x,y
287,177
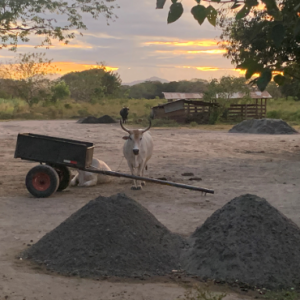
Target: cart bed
x,y
53,150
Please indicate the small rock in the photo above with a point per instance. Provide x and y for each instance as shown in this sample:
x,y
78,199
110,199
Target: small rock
x,y
187,174
296,146
283,141
195,178
162,178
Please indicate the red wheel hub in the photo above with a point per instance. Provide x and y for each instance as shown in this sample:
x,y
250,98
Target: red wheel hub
x,y
41,181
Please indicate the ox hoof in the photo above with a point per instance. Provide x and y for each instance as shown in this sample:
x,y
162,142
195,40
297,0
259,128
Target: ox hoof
x,y
143,183
136,188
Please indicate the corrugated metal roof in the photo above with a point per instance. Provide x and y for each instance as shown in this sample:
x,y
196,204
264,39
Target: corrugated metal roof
x,y
177,96
239,95
195,102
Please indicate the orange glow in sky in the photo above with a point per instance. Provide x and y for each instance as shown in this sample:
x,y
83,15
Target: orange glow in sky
x,y
211,51
202,43
67,67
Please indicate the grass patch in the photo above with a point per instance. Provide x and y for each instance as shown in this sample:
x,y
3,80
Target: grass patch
x,y
69,109
287,110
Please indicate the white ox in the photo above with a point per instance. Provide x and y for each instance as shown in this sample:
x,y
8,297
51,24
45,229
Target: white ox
x,y
137,150
83,178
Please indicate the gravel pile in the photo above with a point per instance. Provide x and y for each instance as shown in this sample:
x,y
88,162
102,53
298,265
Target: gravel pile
x,y
248,241
113,236
263,126
93,120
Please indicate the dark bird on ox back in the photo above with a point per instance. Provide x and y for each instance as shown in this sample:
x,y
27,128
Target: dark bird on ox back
x,y
124,114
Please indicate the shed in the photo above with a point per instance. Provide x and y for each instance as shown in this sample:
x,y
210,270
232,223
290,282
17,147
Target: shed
x,y
184,111
255,110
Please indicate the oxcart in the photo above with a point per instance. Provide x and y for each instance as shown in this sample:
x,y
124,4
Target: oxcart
x,y
56,155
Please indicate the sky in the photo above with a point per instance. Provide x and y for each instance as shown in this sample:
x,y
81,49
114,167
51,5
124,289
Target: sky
x,y
140,44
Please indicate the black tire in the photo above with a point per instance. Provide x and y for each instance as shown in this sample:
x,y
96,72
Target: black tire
x,y
64,175
42,181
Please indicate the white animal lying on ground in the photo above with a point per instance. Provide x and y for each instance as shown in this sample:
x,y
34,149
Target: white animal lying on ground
x,y
137,150
83,178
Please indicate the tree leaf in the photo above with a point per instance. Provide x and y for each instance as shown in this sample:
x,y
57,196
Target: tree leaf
x,y
218,1
251,2
264,79
211,15
297,28
277,34
174,1
175,12
235,5
160,4
279,79
272,9
199,13
198,1
243,12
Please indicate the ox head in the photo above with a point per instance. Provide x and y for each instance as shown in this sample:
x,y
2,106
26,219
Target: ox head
x,y
125,109
135,137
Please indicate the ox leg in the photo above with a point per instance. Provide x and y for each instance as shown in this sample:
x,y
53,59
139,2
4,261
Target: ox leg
x,y
139,173
75,180
143,183
132,173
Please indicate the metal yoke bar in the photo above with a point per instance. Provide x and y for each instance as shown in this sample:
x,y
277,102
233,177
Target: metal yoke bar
x,y
163,182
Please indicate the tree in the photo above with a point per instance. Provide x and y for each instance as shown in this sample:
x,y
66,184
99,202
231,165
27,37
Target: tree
x,y
27,76
274,90
268,48
279,20
20,18
291,88
59,91
226,87
92,84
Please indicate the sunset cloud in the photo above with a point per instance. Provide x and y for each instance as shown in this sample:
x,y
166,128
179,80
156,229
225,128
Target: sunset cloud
x,y
201,43
67,67
182,52
61,45
212,69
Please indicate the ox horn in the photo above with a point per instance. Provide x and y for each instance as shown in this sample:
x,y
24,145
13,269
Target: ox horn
x,y
125,129
144,130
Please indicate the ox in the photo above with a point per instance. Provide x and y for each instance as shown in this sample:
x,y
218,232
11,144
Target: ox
x,y
137,150
84,178
124,114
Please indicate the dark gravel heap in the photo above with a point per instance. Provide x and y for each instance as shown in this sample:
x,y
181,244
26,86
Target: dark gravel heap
x,y
113,236
106,120
246,240
93,120
263,126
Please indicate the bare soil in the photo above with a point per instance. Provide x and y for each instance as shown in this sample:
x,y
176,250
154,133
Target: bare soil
x,y
231,164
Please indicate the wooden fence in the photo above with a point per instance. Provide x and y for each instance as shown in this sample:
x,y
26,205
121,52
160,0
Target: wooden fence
x,y
247,111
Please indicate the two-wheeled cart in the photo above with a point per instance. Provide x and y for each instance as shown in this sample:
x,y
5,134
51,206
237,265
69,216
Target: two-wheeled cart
x,y
56,155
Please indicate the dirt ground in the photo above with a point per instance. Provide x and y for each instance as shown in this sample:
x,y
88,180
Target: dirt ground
x,y
231,164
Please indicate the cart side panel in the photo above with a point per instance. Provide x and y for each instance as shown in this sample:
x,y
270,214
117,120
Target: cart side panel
x,y
53,151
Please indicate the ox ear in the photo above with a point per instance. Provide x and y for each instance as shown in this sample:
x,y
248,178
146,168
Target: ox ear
x,y
126,137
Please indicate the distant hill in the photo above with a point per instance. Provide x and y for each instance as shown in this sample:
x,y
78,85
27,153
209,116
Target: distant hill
x,y
149,79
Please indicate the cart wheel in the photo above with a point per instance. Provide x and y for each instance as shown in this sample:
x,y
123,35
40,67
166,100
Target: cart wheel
x,y
42,181
64,175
